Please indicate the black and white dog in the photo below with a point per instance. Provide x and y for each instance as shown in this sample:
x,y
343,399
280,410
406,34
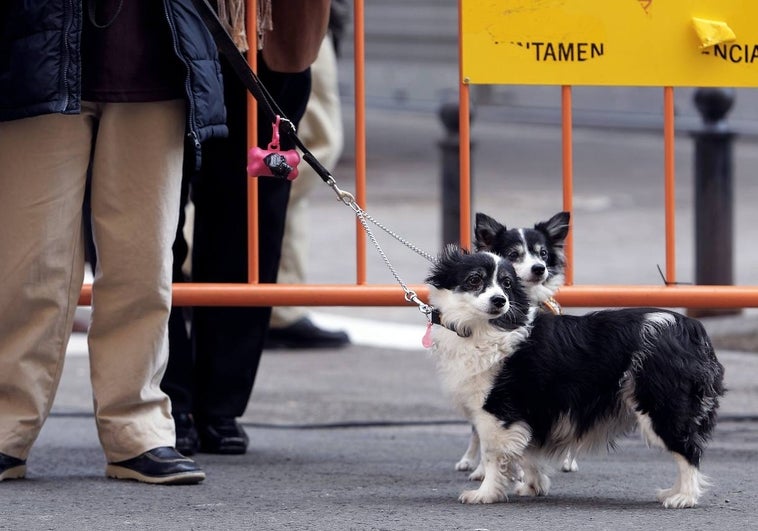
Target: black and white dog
x,y
535,384
537,255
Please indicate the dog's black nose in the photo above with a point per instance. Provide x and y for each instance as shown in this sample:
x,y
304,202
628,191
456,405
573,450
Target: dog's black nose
x,y
538,269
498,301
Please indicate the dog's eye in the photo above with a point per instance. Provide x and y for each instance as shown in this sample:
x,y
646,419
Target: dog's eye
x,y
543,253
513,256
474,280
507,282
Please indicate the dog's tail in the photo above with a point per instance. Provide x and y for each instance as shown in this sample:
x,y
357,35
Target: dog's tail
x,y
679,382
706,380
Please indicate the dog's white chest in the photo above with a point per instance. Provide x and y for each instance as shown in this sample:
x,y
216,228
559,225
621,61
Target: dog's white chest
x,y
467,367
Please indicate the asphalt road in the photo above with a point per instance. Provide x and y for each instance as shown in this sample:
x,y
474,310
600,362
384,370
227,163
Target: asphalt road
x,y
364,438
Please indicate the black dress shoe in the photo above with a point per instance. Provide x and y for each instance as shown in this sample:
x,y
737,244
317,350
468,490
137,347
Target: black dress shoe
x,y
162,465
222,435
11,467
187,442
304,334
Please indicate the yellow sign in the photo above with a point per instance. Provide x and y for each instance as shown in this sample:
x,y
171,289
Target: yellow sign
x,y
692,43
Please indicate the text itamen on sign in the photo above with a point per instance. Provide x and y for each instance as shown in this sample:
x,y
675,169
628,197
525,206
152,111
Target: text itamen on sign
x,y
564,51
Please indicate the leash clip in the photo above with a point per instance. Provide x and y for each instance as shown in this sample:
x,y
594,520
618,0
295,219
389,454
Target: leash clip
x,y
342,195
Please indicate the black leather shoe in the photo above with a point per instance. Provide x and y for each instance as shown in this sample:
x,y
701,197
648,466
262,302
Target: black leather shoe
x,y
162,465
304,334
187,442
222,435
11,467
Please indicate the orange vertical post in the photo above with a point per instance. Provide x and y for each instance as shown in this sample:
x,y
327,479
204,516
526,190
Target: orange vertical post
x,y
464,148
464,167
252,141
669,182
567,157
360,136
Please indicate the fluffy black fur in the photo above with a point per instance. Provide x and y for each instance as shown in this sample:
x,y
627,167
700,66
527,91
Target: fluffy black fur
x,y
576,366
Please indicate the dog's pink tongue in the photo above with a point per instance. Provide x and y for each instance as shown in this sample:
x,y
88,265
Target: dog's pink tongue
x,y
426,341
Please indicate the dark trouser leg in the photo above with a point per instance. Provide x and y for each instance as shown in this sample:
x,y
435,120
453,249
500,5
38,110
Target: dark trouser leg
x,y
229,340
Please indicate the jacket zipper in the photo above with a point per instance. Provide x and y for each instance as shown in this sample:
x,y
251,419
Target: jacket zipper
x,y
187,87
69,19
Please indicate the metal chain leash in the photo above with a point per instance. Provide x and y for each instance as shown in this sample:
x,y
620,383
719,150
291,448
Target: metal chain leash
x,y
399,238
348,199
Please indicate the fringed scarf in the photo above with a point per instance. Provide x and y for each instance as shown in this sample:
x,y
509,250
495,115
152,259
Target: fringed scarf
x,y
232,15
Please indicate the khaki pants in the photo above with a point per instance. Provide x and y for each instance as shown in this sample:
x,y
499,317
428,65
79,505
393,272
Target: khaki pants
x,y
136,177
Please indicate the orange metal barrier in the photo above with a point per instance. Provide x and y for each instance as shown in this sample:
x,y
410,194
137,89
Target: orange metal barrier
x,y
362,294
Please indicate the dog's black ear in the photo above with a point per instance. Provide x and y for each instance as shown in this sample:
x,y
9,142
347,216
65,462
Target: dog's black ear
x,y
485,231
556,228
450,255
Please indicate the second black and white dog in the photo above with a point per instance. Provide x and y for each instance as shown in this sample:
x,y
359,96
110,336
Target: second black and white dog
x,y
537,253
535,384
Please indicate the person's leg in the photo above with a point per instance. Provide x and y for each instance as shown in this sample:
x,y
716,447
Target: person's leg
x,y
229,340
136,183
178,380
43,163
322,133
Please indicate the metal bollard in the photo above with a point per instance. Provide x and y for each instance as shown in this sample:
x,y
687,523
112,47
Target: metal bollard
x,y
449,146
713,194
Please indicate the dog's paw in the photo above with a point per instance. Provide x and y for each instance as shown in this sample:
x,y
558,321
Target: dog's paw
x,y
672,499
539,486
569,465
523,489
465,464
480,496
478,474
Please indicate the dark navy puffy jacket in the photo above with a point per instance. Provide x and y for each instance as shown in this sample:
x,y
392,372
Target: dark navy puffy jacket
x,y
40,63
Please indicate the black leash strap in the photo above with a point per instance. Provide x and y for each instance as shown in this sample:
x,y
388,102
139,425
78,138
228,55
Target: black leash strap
x,y
253,83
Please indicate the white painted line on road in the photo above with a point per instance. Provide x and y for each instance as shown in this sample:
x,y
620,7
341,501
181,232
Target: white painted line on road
x,y
372,333
362,332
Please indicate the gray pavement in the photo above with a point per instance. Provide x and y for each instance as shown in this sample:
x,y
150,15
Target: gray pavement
x,y
363,438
